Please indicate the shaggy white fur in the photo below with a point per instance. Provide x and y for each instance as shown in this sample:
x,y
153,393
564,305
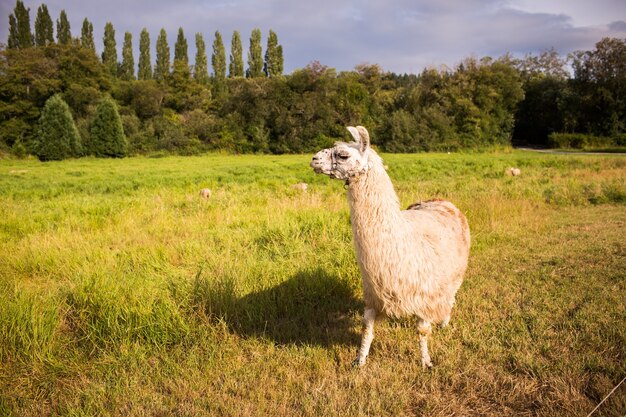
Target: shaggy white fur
x,y
412,261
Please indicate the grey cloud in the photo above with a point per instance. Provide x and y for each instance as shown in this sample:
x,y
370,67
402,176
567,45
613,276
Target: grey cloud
x,y
401,36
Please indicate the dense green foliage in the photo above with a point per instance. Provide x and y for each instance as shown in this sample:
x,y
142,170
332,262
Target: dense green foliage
x,y
57,137
106,134
481,103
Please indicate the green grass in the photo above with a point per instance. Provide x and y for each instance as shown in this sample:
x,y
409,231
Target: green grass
x,y
122,292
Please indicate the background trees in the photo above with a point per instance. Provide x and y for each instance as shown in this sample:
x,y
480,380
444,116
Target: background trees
x,y
480,103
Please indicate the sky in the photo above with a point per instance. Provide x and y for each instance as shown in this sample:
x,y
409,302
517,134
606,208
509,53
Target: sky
x,y
402,36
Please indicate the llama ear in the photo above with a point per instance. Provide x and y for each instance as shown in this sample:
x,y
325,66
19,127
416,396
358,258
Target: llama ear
x,y
354,133
364,138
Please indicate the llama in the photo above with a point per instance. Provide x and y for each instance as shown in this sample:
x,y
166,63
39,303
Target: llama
x,y
412,261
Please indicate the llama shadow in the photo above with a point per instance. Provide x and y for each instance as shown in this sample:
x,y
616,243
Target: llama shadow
x,y
310,308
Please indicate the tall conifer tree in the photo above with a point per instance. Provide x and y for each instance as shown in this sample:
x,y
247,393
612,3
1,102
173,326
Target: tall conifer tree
x,y
127,69
43,27
106,134
273,66
145,66
109,55
181,72
86,36
218,62
180,49
57,136
201,72
218,58
64,35
162,66
13,42
235,68
255,55
20,35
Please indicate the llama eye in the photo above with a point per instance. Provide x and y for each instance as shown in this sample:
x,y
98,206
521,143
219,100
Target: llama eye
x,y
343,155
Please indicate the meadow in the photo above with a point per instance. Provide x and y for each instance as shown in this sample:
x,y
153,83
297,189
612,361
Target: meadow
x,y
122,292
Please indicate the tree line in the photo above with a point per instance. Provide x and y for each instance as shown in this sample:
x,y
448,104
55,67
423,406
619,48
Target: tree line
x,y
181,108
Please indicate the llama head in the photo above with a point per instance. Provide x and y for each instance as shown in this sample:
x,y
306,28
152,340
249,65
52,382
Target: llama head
x,y
345,161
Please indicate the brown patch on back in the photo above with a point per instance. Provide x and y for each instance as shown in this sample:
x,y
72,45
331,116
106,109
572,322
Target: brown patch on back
x,y
422,204
447,210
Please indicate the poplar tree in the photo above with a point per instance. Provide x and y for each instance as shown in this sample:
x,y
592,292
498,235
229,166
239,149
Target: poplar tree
x,y
181,72
218,58
145,67
180,49
109,55
255,55
43,27
20,35
13,42
64,35
86,36
235,68
57,135
162,66
127,69
273,66
106,133
201,72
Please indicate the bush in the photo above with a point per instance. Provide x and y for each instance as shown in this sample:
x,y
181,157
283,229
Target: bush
x,y
107,133
57,136
579,141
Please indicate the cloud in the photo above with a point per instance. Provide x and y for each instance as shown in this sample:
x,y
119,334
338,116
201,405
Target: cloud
x,y
401,36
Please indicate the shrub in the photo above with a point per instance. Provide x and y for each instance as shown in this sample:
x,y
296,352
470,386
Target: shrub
x,y
578,141
107,133
57,136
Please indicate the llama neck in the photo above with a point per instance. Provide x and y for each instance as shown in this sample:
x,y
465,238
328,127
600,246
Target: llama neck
x,y
374,205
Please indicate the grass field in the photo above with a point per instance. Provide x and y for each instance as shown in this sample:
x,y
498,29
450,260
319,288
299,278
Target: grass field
x,y
122,292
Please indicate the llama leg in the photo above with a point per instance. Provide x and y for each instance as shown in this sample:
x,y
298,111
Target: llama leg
x,y
446,320
366,337
424,329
